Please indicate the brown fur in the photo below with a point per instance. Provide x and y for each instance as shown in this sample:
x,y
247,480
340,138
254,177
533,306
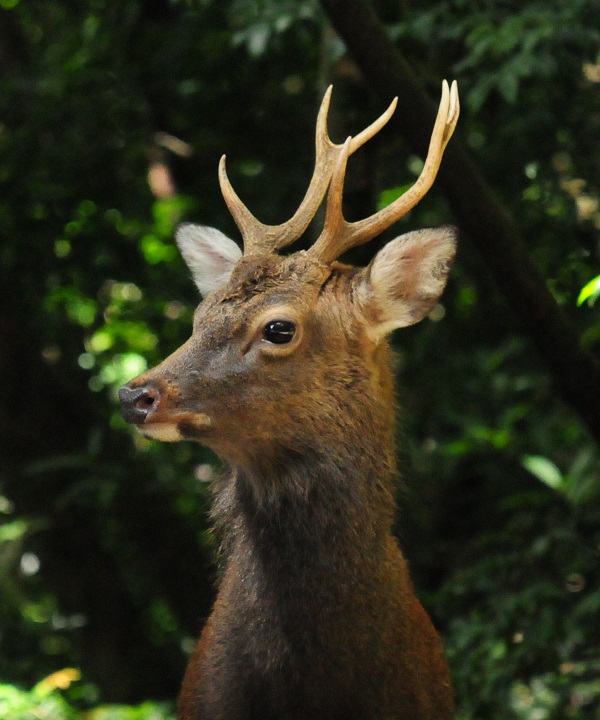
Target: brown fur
x,y
316,617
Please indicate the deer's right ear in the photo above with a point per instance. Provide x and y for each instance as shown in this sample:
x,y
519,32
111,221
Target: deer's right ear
x,y
209,254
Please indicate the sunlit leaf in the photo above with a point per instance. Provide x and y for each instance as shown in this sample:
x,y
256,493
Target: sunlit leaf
x,y
156,250
100,341
590,292
12,531
122,368
545,470
59,680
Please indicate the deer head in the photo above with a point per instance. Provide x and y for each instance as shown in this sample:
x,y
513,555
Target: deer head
x,y
289,351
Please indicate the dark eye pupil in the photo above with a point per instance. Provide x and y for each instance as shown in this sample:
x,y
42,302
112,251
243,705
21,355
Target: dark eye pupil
x,y
279,331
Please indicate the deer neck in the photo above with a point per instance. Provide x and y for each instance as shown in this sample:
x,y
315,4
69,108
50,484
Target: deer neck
x,y
330,494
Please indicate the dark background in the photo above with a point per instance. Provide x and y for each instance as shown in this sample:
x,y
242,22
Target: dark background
x,y
113,116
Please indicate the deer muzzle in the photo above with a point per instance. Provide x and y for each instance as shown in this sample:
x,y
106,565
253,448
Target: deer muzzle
x,y
148,408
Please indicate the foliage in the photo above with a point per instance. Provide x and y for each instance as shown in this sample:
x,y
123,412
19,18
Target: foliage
x,y
58,697
112,120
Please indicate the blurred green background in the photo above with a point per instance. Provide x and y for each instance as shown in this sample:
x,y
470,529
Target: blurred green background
x,y
113,116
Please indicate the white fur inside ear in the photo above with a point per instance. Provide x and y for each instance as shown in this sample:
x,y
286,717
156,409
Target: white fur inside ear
x,y
209,254
406,278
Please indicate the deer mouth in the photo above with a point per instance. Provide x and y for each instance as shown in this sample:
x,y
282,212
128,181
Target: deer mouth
x,y
166,432
188,426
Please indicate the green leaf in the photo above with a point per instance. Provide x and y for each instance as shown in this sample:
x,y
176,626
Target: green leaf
x,y
388,196
590,292
156,251
508,85
544,470
15,530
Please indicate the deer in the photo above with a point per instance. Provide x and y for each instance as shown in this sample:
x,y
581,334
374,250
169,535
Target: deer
x,y
287,378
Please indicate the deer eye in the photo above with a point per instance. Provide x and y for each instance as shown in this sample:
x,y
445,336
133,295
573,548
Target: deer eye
x,y
279,332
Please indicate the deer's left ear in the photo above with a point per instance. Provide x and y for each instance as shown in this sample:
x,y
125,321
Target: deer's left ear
x,y
405,279
209,254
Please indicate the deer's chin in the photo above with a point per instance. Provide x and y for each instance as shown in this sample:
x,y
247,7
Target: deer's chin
x,y
186,427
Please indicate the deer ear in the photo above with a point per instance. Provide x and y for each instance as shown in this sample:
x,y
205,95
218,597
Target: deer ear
x,y
405,279
209,254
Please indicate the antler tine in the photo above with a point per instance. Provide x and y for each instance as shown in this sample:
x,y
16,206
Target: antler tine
x,y
370,131
260,238
339,235
334,216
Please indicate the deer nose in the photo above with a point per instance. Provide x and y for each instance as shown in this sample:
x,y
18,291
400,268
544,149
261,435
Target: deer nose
x,y
137,403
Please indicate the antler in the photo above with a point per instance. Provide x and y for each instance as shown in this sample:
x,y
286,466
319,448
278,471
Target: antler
x,y
338,235
261,238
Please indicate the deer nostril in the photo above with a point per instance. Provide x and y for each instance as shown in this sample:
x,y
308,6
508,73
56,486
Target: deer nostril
x,y
138,403
145,402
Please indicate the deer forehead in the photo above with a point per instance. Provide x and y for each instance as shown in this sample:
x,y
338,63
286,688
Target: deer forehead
x,y
260,273
258,282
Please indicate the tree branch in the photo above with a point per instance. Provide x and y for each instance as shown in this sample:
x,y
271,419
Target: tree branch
x,y
489,225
